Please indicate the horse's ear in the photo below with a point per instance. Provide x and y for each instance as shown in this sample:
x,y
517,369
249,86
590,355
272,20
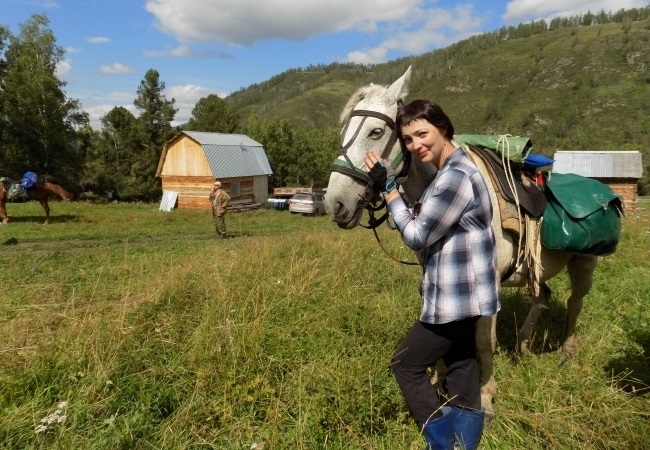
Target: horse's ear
x,y
399,89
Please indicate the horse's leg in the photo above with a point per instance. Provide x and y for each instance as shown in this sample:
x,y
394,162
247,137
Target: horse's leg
x,y
3,212
540,303
486,344
581,274
438,375
46,207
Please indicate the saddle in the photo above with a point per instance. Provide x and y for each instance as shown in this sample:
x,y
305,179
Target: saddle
x,y
531,200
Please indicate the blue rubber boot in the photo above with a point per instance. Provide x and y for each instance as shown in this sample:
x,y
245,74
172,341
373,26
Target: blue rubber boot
x,y
468,427
439,433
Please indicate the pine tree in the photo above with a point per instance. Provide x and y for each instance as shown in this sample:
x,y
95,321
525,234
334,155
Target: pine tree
x,y
213,114
156,116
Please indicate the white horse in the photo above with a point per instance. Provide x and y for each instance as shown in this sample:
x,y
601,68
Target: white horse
x,y
369,125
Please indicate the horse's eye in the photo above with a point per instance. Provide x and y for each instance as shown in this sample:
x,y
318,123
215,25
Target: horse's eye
x,y
376,133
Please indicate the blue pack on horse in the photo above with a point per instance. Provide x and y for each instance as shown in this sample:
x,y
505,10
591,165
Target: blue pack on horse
x,y
30,187
519,206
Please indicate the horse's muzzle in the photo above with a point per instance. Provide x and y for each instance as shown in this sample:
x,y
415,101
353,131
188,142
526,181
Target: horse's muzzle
x,y
345,218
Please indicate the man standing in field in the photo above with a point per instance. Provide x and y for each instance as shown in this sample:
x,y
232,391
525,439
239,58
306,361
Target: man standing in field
x,y
219,199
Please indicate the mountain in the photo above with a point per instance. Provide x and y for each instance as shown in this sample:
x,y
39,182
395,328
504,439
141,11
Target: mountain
x,y
565,85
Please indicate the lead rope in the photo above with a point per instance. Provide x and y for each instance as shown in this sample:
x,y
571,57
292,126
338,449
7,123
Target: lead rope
x,y
505,161
374,230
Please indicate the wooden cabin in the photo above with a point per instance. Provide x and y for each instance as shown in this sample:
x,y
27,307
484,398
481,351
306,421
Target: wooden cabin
x,y
192,160
620,170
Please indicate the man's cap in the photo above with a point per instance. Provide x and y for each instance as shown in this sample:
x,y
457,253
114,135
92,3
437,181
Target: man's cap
x,y
217,183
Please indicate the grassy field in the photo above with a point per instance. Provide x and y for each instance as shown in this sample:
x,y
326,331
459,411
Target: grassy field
x,y
124,327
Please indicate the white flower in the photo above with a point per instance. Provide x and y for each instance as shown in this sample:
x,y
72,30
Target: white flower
x,y
56,417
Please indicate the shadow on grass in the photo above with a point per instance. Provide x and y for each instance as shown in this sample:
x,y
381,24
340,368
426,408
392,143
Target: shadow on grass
x,y
631,372
548,333
237,234
54,218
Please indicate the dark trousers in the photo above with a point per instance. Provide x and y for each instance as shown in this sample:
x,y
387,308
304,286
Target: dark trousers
x,y
425,344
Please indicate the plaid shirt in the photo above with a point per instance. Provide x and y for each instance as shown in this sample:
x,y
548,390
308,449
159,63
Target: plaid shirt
x,y
452,231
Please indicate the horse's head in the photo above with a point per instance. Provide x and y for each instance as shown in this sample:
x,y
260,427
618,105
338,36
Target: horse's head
x,y
368,122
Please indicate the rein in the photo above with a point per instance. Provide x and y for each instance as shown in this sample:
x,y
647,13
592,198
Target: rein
x,y
346,167
374,224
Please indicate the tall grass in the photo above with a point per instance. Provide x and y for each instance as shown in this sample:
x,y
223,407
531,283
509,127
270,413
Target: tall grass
x,y
160,336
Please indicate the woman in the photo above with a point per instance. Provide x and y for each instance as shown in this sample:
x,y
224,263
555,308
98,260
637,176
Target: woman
x,y
450,226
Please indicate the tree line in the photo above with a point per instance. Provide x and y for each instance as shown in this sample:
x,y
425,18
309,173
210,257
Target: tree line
x,y
44,131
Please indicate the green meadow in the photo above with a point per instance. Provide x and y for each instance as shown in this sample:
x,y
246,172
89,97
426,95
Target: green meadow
x,y
125,327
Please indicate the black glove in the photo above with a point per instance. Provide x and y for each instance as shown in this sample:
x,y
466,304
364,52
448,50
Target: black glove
x,y
382,177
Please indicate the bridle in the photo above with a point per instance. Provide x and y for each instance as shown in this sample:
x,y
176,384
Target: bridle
x,y
346,167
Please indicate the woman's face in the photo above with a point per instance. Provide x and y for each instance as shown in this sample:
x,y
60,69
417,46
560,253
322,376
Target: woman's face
x,y
424,140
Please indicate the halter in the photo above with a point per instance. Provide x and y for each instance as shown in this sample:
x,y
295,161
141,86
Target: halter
x,y
346,167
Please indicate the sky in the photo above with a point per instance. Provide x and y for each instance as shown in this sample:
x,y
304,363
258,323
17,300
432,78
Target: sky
x,y
203,47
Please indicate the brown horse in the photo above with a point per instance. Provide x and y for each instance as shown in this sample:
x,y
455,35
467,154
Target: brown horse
x,y
41,192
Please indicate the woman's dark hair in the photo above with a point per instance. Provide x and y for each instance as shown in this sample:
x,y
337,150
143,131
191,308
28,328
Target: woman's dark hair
x,y
427,110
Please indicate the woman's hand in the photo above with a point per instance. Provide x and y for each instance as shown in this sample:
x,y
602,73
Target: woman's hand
x,y
380,172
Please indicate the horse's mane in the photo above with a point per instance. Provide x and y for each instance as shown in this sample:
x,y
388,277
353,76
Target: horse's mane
x,y
359,95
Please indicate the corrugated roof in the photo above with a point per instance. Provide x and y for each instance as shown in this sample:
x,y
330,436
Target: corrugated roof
x,y
227,161
232,155
205,138
599,164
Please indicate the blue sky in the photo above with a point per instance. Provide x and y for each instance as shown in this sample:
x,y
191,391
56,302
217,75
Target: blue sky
x,y
203,47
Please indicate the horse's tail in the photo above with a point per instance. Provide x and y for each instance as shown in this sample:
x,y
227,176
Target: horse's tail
x,y
58,191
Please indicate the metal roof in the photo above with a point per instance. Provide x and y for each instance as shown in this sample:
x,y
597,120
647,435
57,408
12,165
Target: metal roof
x,y
232,155
205,138
599,164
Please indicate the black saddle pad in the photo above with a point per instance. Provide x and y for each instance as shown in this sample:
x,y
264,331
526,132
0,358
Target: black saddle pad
x,y
531,198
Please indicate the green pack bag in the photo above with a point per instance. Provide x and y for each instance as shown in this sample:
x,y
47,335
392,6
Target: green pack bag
x,y
583,215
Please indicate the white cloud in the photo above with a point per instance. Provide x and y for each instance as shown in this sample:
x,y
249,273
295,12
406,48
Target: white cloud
x,y
518,11
186,97
98,40
63,68
248,21
72,50
185,51
96,112
432,28
49,4
118,68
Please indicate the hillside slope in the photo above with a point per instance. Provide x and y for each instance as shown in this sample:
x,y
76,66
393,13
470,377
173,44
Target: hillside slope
x,y
582,87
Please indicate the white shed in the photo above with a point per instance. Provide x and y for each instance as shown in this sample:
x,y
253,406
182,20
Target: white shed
x,y
620,170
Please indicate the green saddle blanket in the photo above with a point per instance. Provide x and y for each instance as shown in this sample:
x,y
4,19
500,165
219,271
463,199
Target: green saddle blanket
x,y
583,215
515,148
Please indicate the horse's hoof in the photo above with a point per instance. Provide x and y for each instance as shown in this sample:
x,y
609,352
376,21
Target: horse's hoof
x,y
522,347
566,354
488,419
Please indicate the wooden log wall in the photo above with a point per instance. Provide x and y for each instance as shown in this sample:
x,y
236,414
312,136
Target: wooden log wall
x,y
194,192
624,188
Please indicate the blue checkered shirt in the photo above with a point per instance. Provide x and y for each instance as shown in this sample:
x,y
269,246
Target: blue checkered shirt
x,y
452,231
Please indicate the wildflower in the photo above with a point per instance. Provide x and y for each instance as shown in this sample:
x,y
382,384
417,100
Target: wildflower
x,y
56,417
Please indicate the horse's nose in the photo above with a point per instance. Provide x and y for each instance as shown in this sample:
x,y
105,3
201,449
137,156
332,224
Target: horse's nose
x,y
333,208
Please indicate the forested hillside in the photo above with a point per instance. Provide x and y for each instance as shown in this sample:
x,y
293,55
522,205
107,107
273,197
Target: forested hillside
x,y
567,85
578,83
